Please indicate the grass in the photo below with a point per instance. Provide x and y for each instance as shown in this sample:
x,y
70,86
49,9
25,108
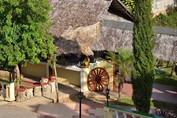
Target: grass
x,y
127,101
168,20
123,101
162,76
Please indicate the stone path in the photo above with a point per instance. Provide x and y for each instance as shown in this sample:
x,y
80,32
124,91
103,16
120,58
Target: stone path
x,y
10,111
42,107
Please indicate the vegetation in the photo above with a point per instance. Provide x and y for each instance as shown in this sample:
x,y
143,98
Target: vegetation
x,y
129,4
166,20
23,32
124,101
52,63
162,76
123,59
143,68
127,101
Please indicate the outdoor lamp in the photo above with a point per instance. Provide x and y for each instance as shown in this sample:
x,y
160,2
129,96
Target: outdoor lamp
x,y
107,95
80,96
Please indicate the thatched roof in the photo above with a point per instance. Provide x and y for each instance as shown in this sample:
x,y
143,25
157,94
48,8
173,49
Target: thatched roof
x,y
78,40
77,23
84,26
76,13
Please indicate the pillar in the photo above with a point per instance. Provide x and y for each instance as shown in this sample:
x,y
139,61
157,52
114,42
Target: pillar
x,y
107,113
10,92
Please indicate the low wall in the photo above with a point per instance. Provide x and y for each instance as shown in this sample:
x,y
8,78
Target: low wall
x,y
35,71
4,74
72,76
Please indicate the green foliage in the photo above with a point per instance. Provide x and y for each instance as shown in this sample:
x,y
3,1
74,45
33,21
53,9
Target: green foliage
x,y
143,67
123,60
162,76
52,61
23,31
168,20
129,4
19,79
123,101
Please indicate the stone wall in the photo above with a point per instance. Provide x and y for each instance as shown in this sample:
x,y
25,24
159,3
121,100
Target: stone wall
x,y
160,6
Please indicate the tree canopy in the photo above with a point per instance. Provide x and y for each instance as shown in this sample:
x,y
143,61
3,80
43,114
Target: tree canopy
x,y
143,67
24,26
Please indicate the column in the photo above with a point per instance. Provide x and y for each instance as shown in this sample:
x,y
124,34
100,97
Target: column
x,y
10,92
107,113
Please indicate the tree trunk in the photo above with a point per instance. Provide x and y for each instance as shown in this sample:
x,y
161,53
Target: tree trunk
x,y
53,66
15,76
56,84
173,68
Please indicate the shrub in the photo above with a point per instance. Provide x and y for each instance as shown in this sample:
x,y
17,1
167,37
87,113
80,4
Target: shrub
x,y
168,20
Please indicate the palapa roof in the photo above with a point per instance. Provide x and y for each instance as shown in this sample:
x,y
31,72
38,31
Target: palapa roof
x,y
78,40
77,24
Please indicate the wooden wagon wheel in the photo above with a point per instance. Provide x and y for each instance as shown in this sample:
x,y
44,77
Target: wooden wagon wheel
x,y
98,79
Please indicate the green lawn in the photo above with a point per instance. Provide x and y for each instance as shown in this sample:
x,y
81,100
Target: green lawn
x,y
127,101
162,76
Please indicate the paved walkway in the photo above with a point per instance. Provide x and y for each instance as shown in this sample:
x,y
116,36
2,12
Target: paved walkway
x,y
160,92
10,111
42,107
90,109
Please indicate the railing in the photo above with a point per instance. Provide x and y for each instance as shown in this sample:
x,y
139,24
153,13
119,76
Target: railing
x,y
117,112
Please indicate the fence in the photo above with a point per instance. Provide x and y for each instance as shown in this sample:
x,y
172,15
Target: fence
x,y
117,112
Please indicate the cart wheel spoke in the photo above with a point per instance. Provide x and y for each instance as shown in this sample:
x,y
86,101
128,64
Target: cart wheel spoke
x,y
98,79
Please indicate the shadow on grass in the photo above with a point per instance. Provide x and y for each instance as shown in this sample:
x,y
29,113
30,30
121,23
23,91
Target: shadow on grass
x,y
163,77
124,100
122,103
164,105
166,81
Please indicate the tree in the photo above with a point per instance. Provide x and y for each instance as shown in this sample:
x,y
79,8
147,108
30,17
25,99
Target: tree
x,y
52,64
143,67
23,32
123,59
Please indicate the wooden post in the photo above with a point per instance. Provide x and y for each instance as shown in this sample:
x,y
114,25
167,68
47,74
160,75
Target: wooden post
x,y
114,75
